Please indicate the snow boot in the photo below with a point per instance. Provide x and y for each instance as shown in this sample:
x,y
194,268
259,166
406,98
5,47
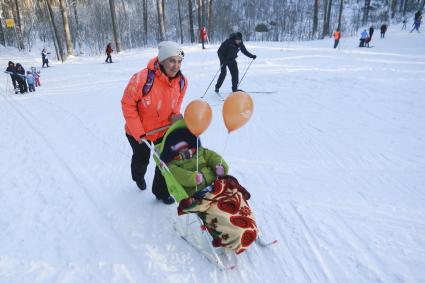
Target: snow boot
x,y
167,200
141,184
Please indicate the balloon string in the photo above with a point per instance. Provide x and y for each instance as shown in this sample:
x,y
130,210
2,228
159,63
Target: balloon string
x,y
224,150
197,161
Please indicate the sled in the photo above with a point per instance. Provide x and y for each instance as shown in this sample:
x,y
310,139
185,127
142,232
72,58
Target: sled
x,y
192,228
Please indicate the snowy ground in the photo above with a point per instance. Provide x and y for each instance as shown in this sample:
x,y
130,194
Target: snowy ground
x,y
334,159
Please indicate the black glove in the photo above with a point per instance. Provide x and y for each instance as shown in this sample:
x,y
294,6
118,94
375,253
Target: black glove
x,y
254,57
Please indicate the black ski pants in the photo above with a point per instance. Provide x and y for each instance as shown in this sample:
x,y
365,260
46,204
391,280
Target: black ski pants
x,y
108,58
13,81
139,164
22,84
234,72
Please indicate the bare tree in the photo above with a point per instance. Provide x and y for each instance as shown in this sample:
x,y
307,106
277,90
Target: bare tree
x,y
421,6
2,37
180,21
199,10
145,21
191,31
78,28
326,18
18,26
65,17
161,24
117,37
56,41
315,17
393,8
210,19
366,10
341,8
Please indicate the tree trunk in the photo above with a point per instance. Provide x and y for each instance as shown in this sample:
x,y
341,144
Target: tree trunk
x,y
421,6
77,22
145,20
199,9
341,8
327,16
65,17
393,8
58,43
191,31
18,27
160,20
180,21
210,20
404,8
315,17
366,11
2,37
116,35
163,11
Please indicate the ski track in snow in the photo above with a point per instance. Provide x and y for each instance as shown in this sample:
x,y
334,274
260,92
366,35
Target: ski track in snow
x,y
333,157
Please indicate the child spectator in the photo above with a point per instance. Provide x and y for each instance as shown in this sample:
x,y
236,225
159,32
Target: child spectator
x,y
30,81
36,75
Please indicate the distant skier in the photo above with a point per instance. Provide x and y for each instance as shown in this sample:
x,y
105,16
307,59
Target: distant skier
x,y
363,37
30,81
227,54
383,30
417,23
203,36
108,51
371,30
337,37
404,23
44,57
11,70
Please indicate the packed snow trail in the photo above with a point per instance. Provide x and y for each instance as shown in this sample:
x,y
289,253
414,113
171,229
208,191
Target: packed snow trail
x,y
334,158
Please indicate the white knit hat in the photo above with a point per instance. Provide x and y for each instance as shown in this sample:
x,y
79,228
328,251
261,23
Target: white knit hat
x,y
168,49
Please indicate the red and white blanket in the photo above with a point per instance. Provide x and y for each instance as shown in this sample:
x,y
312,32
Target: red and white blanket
x,y
226,214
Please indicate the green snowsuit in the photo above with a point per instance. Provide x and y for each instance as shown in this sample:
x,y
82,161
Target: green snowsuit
x,y
184,170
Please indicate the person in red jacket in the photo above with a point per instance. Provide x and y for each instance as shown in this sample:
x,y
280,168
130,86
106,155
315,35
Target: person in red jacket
x,y
150,103
108,53
203,36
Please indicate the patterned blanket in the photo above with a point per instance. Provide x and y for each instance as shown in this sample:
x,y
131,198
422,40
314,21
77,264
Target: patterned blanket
x,y
225,213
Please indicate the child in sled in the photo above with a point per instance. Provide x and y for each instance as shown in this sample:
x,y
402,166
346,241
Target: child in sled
x,y
217,198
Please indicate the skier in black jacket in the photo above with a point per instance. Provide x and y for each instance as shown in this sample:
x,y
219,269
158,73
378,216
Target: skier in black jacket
x,y
11,69
227,53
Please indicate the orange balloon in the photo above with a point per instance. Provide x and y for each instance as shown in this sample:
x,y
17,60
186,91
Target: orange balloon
x,y
237,110
197,116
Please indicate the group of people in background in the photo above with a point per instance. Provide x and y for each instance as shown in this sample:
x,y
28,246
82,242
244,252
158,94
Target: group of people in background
x,y
23,82
365,37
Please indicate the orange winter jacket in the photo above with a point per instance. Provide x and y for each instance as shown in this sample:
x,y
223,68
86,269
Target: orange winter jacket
x,y
152,111
337,35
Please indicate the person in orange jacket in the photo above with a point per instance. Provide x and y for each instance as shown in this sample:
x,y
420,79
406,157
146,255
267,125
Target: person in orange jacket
x,y
337,36
152,101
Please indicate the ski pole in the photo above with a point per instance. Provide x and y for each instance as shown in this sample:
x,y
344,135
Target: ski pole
x,y
221,66
245,72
